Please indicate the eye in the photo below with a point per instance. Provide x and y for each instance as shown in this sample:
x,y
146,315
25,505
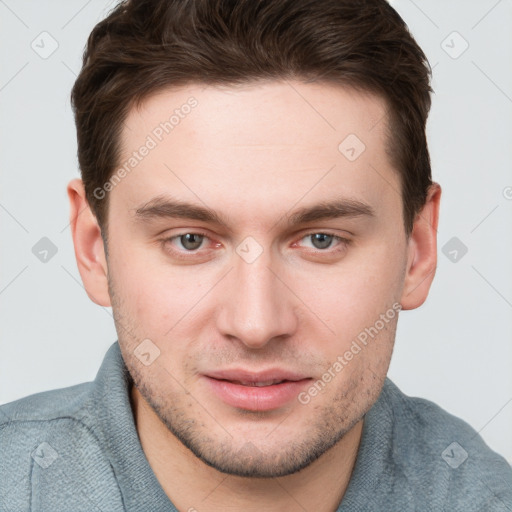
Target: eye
x,y
190,241
189,246
322,241
196,244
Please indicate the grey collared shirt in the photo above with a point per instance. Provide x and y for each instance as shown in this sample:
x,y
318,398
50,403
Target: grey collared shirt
x,y
77,449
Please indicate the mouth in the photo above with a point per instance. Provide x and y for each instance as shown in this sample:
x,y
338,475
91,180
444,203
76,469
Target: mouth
x,y
257,384
264,391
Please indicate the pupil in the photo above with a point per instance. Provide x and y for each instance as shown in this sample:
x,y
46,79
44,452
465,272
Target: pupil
x,y
191,241
321,240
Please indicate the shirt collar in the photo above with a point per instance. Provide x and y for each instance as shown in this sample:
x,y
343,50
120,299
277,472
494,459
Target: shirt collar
x,y
118,436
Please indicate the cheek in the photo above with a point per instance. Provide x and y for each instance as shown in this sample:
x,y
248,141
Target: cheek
x,y
146,298
159,306
379,275
354,296
164,305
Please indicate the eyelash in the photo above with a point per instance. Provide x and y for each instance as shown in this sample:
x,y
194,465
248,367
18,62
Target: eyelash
x,y
343,243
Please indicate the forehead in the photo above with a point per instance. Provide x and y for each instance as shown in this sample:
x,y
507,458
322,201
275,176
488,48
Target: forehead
x,y
267,142
261,113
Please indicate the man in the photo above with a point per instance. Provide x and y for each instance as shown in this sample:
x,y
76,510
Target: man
x,y
256,205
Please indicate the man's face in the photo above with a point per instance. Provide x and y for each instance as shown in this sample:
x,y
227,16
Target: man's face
x,y
258,295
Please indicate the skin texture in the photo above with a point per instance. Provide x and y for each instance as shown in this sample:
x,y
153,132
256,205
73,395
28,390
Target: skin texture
x,y
255,154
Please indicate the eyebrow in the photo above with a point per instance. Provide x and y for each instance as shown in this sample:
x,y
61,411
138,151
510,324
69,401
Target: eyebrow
x,y
162,207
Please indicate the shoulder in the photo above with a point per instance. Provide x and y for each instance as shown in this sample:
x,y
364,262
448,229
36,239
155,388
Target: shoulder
x,y
42,436
45,405
443,458
57,411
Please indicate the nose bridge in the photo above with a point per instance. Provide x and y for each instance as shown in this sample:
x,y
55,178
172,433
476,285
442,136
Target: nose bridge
x,y
257,307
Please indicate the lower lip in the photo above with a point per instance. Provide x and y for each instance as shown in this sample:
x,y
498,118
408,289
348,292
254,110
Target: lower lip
x,y
254,398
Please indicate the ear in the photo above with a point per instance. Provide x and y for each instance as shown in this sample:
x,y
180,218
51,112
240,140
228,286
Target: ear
x,y
89,250
422,252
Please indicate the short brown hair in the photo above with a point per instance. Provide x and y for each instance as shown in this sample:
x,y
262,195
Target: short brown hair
x,y
144,46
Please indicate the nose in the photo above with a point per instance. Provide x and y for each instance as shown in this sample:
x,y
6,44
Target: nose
x,y
258,306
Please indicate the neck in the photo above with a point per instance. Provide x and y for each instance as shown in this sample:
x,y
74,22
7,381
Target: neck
x,y
193,485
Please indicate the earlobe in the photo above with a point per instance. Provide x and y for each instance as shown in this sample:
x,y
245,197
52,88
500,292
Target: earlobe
x,y
422,252
88,243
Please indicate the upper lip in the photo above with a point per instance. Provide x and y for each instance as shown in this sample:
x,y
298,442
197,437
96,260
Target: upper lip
x,y
272,374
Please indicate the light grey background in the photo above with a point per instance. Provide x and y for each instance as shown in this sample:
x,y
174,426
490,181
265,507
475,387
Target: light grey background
x,y
455,350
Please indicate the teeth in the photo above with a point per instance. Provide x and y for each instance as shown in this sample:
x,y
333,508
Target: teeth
x,y
259,384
